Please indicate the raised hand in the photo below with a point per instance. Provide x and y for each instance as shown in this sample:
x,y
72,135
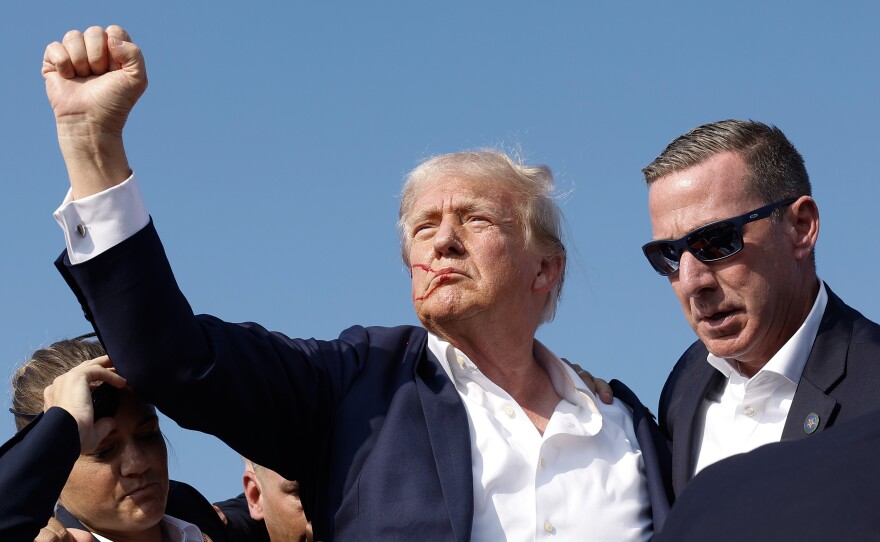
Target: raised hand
x,y
93,80
72,391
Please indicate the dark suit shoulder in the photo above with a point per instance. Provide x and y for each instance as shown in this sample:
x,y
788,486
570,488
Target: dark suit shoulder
x,y
681,380
834,476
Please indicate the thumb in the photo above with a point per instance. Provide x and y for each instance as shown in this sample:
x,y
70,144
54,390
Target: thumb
x,y
125,55
127,59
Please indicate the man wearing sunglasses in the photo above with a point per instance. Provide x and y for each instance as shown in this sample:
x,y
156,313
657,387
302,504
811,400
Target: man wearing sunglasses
x,y
779,356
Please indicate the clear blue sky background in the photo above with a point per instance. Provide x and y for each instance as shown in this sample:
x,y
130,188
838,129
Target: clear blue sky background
x,y
273,139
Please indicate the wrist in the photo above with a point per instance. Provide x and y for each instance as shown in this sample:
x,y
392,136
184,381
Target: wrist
x,y
94,155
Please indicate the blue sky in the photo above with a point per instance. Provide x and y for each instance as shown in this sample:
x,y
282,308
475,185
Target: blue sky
x,y
274,137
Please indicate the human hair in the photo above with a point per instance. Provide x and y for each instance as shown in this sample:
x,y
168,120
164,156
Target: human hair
x,y
43,367
532,187
776,168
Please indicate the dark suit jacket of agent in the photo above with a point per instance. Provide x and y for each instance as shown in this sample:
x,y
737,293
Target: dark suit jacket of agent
x,y
35,464
840,381
369,424
825,488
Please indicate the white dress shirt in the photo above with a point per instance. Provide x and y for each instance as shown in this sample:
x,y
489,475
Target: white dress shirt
x,y
583,479
751,412
173,530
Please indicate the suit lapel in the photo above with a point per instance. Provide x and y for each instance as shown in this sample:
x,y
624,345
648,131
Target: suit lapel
x,y
655,452
688,421
825,367
69,521
447,424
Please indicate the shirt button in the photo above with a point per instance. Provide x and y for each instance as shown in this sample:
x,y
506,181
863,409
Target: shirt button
x,y
749,411
460,361
509,411
548,526
543,462
81,229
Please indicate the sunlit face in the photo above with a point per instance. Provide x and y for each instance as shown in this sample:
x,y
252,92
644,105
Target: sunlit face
x,y
275,500
743,307
122,487
468,255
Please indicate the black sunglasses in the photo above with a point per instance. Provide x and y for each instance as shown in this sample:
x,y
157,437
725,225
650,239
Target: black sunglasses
x,y
708,243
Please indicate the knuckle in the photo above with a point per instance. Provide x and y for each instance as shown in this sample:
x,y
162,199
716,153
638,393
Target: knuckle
x,y
72,35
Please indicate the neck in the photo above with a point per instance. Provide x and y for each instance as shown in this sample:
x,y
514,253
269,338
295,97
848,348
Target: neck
x,y
797,312
508,360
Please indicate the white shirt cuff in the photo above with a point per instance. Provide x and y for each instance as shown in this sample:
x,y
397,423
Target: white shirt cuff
x,y
95,224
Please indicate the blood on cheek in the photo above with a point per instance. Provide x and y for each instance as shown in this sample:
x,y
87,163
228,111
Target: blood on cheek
x,y
443,277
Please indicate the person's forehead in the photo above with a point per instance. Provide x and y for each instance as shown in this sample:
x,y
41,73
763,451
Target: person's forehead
x,y
461,192
693,197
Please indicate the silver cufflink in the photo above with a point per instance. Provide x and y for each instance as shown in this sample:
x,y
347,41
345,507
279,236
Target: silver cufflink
x,y
81,229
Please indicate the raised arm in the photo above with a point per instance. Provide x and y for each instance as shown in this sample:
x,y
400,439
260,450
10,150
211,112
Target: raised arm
x,y
93,80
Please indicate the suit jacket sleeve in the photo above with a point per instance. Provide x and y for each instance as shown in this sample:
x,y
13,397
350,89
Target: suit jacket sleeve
x,y
34,466
262,393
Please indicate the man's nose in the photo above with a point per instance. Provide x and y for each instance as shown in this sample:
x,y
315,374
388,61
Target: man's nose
x,y
694,276
447,240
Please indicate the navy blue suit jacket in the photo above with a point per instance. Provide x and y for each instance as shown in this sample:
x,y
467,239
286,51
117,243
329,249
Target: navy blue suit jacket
x,y
825,488
840,381
369,423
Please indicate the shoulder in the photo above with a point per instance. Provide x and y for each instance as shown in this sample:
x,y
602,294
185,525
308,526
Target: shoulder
x,y
682,371
187,504
864,330
392,343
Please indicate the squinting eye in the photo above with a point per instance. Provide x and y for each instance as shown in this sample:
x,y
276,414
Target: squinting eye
x,y
421,228
103,454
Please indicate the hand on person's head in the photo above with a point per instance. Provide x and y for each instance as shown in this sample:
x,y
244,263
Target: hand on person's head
x,y
72,391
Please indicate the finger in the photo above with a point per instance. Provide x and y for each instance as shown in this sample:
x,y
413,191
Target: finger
x,y
56,59
96,49
116,32
54,531
603,390
78,535
96,373
76,48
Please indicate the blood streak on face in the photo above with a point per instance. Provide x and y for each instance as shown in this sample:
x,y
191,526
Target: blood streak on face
x,y
443,275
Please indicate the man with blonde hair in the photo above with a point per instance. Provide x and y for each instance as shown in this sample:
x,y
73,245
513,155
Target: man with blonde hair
x,y
465,428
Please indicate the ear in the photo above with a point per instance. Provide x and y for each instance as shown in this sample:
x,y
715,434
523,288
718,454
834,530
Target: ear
x,y
253,495
804,223
548,274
